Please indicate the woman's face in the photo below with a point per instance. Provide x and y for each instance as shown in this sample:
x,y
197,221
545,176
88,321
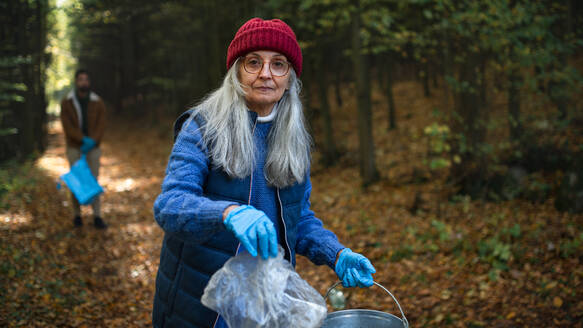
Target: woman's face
x,y
263,88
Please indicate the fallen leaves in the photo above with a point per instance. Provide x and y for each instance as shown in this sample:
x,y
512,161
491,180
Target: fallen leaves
x,y
53,275
557,302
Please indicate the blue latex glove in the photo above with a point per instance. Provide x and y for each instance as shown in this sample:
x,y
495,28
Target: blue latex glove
x,y
254,230
354,269
87,145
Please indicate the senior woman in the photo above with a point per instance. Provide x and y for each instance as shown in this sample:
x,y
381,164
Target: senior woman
x,y
239,175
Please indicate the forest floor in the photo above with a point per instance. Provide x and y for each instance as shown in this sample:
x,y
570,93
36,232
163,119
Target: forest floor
x,y
450,263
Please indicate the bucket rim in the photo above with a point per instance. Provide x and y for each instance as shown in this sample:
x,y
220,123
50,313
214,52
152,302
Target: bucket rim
x,y
359,311
403,318
364,314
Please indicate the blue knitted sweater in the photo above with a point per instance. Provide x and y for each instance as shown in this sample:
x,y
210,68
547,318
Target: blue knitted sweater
x,y
181,207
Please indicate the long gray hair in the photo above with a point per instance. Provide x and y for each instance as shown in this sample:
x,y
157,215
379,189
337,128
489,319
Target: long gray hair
x,y
228,136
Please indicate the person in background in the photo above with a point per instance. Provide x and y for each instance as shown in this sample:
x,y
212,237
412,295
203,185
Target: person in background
x,y
83,119
239,175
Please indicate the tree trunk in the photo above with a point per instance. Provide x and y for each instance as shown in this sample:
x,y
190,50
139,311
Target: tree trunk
x,y
514,106
390,99
538,73
570,18
41,113
23,111
470,124
481,80
25,114
434,78
338,86
557,88
558,85
425,78
128,62
308,92
214,51
368,170
447,65
330,153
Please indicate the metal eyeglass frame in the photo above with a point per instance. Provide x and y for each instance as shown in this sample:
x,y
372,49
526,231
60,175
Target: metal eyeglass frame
x,y
263,64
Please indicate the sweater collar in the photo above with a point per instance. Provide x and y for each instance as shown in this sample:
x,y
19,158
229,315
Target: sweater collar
x,y
92,95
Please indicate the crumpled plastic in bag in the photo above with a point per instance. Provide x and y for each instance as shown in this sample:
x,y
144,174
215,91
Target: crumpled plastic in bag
x,y
249,292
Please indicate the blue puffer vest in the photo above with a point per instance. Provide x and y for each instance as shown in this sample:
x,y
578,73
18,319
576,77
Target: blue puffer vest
x,y
185,267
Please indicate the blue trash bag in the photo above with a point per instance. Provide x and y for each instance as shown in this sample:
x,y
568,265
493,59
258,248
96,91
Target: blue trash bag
x,y
81,182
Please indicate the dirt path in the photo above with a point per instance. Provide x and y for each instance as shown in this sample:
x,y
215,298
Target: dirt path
x,y
86,277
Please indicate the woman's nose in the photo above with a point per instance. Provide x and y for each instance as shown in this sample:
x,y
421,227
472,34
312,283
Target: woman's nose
x,y
265,73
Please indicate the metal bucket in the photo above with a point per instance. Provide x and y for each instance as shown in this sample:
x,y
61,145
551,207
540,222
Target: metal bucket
x,y
359,318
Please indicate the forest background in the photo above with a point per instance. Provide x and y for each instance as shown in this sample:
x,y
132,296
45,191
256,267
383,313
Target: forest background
x,y
448,149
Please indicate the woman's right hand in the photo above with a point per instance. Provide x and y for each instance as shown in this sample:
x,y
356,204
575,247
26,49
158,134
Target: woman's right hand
x,y
253,229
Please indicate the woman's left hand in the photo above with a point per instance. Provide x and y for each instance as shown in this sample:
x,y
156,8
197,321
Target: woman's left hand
x,y
354,269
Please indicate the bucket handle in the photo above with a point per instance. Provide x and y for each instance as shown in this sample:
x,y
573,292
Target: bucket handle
x,y
405,322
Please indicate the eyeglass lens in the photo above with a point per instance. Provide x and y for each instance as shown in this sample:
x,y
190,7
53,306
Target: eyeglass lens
x,y
278,67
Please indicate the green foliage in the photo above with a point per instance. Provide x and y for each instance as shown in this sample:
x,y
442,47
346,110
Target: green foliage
x,y
16,182
513,231
8,131
499,249
443,230
522,43
440,237
495,252
572,246
14,61
439,150
536,189
403,252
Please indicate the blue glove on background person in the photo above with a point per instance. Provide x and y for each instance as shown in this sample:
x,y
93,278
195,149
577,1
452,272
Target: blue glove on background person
x,y
254,230
354,269
87,145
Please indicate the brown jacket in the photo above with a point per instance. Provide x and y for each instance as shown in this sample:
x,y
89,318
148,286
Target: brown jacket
x,y
71,119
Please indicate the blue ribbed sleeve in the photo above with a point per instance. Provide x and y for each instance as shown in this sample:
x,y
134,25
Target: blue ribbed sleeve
x,y
181,209
314,241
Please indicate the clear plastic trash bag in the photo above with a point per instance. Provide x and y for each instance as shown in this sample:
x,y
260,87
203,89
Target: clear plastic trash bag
x,y
249,292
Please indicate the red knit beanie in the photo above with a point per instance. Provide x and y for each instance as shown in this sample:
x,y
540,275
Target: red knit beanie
x,y
259,34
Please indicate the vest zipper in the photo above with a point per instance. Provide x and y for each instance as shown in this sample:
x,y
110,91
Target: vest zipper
x,y
284,226
251,178
248,203
250,182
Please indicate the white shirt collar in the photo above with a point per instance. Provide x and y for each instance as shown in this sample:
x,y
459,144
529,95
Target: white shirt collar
x,y
270,117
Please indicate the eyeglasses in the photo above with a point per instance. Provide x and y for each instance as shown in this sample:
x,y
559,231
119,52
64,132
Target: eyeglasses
x,y
254,64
